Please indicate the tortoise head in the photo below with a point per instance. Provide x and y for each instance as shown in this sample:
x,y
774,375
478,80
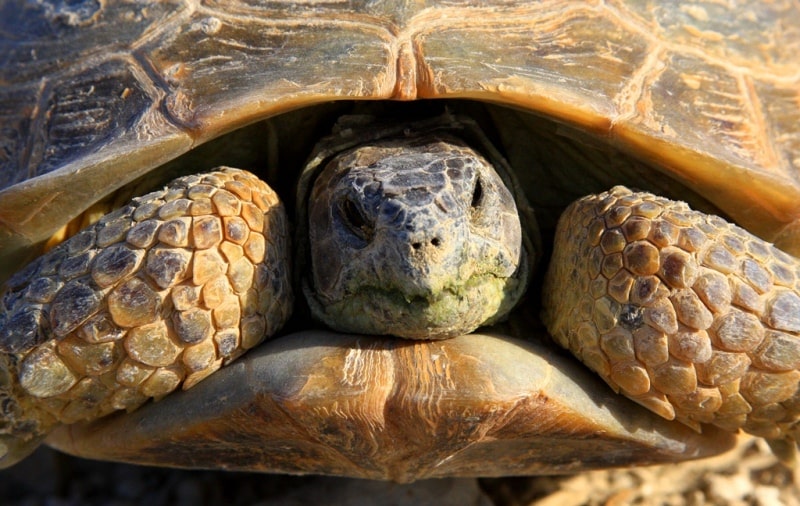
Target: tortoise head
x,y
415,236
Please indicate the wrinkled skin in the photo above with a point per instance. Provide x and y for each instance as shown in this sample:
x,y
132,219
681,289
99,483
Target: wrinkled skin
x,y
415,237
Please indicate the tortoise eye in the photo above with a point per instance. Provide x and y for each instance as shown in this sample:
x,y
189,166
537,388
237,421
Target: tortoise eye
x,y
477,194
355,220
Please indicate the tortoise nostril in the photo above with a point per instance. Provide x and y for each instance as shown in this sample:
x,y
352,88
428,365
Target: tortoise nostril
x,y
435,242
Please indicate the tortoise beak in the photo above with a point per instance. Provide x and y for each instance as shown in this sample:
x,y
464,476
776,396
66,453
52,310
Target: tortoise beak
x,y
382,408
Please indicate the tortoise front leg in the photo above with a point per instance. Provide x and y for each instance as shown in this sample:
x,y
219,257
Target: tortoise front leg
x,y
156,295
685,313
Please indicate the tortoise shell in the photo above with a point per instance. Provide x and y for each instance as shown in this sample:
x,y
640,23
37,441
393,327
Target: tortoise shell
x,y
98,94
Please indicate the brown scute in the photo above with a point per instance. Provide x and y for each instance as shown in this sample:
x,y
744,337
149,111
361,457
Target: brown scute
x,y
717,330
382,408
161,292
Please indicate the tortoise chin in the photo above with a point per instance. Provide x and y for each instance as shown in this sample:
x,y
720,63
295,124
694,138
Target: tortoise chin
x,y
456,310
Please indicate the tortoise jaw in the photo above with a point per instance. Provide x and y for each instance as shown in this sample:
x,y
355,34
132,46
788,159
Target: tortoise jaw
x,y
458,309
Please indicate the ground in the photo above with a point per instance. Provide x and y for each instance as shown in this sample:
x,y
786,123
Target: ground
x,y
750,475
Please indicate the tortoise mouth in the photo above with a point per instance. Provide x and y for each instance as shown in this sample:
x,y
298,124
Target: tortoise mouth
x,y
481,300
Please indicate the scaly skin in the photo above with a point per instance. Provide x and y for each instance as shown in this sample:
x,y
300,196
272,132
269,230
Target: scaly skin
x,y
416,237
688,315
156,295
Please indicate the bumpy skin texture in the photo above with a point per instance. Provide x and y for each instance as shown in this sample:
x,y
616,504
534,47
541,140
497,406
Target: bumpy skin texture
x,y
417,238
156,295
691,316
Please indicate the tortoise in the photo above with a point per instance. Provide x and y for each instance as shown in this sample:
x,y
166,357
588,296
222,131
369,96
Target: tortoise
x,y
696,102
